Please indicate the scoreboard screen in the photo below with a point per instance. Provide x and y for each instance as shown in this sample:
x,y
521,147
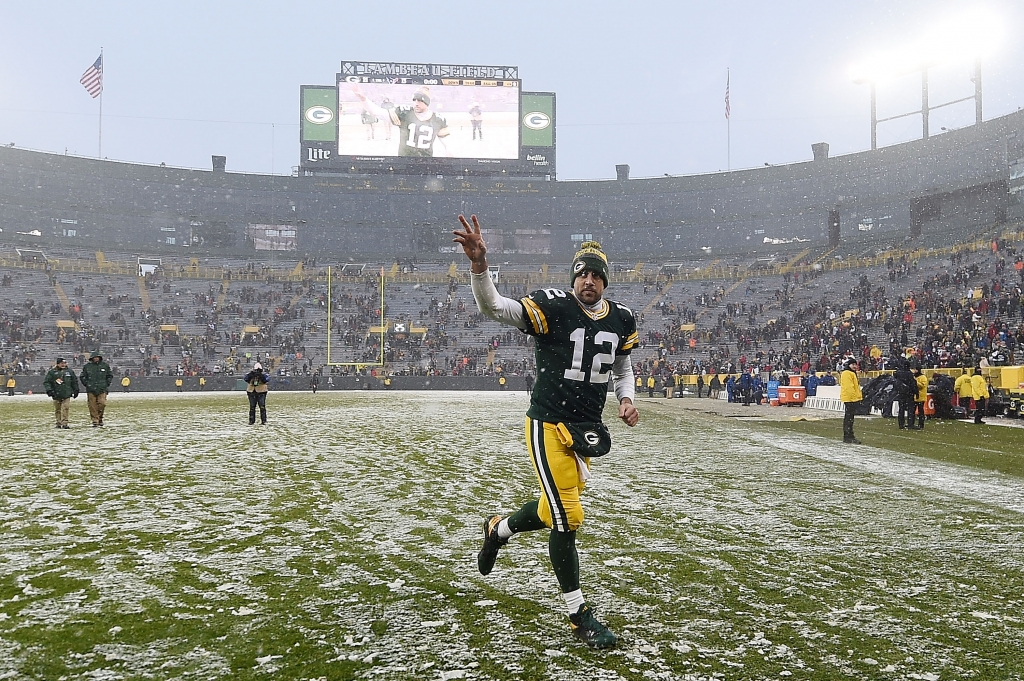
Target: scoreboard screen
x,y
442,118
426,119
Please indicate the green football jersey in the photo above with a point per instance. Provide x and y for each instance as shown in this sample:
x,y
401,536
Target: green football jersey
x,y
417,137
575,352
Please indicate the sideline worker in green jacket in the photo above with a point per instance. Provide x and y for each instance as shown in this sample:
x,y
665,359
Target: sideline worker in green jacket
x,y
96,378
62,386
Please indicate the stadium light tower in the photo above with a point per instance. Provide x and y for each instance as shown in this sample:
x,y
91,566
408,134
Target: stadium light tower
x,y
963,38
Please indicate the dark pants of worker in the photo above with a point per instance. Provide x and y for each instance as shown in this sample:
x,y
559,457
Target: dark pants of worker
x,y
979,408
906,412
919,412
851,409
260,399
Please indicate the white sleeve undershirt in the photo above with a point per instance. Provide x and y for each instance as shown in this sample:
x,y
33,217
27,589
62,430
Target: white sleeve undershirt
x,y
622,379
494,305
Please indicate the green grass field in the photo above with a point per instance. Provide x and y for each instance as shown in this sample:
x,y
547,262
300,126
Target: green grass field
x,y
339,542
991,447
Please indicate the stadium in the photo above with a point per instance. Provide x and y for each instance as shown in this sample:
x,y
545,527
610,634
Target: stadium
x,y
78,232
338,542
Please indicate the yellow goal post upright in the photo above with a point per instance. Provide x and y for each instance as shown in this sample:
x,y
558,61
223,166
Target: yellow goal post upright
x,y
379,329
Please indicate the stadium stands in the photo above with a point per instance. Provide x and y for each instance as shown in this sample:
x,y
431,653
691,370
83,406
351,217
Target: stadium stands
x,y
723,270
963,302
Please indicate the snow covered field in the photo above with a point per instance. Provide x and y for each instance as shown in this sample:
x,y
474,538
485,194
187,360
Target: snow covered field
x,y
339,542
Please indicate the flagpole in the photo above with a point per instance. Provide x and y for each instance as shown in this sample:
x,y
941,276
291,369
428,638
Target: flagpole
x,y
103,66
728,125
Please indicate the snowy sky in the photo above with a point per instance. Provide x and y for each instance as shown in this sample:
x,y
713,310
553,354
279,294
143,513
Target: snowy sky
x,y
637,82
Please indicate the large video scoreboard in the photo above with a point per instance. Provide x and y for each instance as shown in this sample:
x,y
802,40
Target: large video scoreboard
x,y
426,119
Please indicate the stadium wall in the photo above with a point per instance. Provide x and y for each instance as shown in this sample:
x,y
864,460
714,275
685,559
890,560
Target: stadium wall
x,y
947,187
190,384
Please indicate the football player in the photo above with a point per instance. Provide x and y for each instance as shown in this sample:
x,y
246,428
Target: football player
x,y
419,127
581,340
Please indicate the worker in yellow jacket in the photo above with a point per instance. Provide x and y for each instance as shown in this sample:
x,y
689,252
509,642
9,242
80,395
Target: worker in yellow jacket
x,y
850,395
963,389
922,397
980,387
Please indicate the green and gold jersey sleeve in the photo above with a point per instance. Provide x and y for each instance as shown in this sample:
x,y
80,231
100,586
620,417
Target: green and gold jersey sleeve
x,y
576,348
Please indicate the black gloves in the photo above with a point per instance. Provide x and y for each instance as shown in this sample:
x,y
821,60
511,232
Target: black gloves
x,y
75,396
49,393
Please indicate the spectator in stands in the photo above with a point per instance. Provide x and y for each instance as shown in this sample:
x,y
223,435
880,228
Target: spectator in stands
x,y
256,390
850,394
96,378
61,386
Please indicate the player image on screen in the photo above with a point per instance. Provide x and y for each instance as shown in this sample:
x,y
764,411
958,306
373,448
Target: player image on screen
x,y
420,121
420,128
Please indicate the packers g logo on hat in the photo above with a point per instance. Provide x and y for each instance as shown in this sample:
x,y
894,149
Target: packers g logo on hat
x,y
590,257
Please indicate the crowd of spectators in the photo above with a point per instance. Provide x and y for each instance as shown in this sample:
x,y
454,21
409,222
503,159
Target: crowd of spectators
x,y
963,308
960,310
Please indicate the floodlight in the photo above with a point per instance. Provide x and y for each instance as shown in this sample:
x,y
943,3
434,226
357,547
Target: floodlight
x,y
965,37
968,36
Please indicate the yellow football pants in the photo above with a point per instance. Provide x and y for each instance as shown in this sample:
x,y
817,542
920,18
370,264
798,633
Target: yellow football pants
x,y
559,477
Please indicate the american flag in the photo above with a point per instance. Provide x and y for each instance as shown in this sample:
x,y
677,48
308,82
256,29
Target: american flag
x,y
727,109
92,79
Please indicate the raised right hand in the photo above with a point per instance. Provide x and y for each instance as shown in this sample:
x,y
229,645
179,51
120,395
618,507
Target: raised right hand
x,y
472,243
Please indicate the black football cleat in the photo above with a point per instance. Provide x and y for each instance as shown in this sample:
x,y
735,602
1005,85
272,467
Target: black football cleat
x,y
588,629
492,543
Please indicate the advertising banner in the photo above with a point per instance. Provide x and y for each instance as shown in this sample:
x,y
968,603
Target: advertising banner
x,y
319,114
538,119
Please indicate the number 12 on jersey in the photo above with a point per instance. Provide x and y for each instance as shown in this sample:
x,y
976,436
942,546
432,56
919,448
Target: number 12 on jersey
x,y
603,339
420,136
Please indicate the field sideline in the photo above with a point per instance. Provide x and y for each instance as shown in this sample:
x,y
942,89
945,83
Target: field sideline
x,y
339,542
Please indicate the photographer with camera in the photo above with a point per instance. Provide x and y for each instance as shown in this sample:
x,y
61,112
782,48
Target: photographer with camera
x,y
256,389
